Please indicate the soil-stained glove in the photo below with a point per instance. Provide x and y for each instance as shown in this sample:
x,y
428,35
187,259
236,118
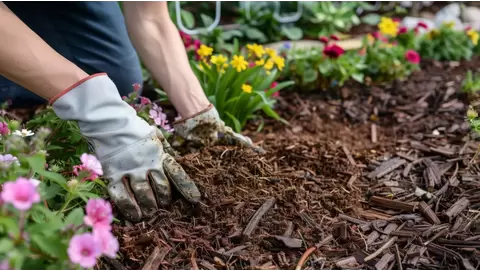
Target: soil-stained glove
x,y
132,152
207,129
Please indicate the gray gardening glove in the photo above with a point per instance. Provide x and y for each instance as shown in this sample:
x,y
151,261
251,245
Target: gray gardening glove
x,y
132,152
207,129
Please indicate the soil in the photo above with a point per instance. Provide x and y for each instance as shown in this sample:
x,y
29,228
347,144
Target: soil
x,y
322,182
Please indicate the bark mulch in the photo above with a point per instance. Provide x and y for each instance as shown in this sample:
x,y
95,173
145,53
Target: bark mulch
x,y
380,177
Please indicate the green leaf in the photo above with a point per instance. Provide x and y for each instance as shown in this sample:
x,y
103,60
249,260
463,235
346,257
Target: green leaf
x,y
36,162
371,19
255,34
309,76
292,32
51,244
9,224
5,245
50,191
75,217
227,35
207,20
358,77
188,18
237,126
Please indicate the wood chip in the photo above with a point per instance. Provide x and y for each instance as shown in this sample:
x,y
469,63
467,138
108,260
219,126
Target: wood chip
x,y
247,232
393,204
428,213
384,261
155,259
349,155
387,244
457,208
386,167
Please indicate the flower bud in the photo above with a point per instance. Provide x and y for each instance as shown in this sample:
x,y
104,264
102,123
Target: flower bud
x,y
471,113
72,183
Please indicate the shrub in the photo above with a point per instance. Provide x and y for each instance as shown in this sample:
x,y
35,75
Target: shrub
x,y
239,85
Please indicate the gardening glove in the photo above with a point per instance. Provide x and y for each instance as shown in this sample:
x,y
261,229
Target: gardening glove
x,y
132,153
207,129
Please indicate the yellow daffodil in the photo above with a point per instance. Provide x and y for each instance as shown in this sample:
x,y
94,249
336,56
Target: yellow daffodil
x,y
449,24
247,88
279,61
473,35
255,49
239,63
387,26
270,52
269,64
260,62
204,51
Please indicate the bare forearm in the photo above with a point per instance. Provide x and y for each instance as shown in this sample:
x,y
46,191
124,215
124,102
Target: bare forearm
x,y
30,62
159,45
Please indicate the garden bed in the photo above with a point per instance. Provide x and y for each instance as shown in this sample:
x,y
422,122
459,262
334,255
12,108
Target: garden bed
x,y
338,181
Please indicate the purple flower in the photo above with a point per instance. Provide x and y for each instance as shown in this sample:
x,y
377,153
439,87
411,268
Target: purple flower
x,y
4,265
108,243
22,193
159,117
84,249
4,129
99,214
7,160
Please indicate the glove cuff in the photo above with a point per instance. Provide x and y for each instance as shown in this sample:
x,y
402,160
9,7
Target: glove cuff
x,y
56,97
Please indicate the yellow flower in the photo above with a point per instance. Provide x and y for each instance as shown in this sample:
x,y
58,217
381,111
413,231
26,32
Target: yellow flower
x,y
247,88
204,51
260,62
370,38
239,63
255,49
449,24
388,26
270,52
473,35
269,65
279,61
218,60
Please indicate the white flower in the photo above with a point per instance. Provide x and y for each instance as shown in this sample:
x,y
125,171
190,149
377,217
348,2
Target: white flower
x,y
35,182
23,133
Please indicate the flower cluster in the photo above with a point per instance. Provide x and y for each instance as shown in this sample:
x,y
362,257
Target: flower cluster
x,y
84,249
331,50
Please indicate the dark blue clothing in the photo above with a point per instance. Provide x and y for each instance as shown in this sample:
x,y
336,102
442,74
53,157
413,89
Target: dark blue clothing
x,y
92,35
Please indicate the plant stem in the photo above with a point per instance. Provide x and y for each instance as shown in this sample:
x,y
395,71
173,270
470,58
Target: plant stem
x,y
69,198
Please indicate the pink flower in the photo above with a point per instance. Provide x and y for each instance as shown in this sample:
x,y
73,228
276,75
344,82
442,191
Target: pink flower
x,y
99,214
145,101
324,39
274,85
84,249
251,64
412,57
422,25
136,87
402,30
108,243
333,51
91,165
4,265
4,129
397,20
22,193
334,37
187,39
160,118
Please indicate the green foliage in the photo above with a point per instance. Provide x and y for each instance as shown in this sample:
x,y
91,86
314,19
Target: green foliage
x,y
446,44
237,90
471,83
311,69
385,62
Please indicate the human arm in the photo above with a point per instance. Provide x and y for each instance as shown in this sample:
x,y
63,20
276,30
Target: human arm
x,y
159,45
131,152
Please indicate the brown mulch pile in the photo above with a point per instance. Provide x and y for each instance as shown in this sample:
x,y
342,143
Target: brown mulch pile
x,y
378,177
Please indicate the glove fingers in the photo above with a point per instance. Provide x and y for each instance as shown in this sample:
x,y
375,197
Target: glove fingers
x,y
233,138
124,199
143,193
161,187
181,180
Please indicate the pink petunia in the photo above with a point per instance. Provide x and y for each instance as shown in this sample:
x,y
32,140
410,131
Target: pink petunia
x,y
99,214
324,39
160,118
22,193
422,25
334,37
84,249
145,101
91,165
402,30
108,243
4,129
412,57
333,51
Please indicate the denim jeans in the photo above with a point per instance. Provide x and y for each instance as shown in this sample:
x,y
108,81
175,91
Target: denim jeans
x,y
92,35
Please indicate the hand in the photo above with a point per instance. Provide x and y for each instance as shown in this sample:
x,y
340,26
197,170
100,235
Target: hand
x,y
207,129
132,153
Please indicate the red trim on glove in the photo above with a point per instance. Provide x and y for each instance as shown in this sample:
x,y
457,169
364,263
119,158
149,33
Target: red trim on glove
x,y
56,97
194,115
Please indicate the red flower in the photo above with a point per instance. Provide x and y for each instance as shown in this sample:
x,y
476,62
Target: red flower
x,y
376,35
333,51
324,39
412,57
187,39
397,20
251,64
274,85
334,37
422,25
468,28
402,30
